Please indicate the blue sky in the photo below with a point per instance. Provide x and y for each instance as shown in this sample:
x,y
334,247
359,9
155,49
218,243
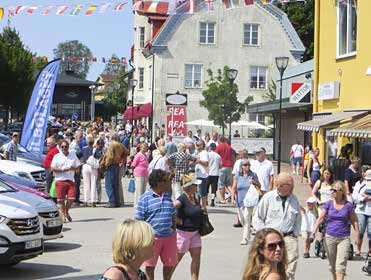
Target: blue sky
x,y
104,33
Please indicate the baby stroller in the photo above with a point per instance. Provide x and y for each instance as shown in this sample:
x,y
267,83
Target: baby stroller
x,y
129,170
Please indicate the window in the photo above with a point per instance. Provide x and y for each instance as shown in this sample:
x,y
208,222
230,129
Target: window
x,y
141,78
192,76
207,33
346,27
141,37
257,118
258,77
251,34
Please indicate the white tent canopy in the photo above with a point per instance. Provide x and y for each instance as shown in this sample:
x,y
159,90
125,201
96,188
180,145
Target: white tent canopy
x,y
250,125
201,122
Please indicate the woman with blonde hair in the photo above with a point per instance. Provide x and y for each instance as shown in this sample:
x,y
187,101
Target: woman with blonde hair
x,y
132,245
267,257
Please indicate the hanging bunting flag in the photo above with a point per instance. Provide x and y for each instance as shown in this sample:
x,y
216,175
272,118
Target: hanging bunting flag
x,y
104,7
77,10
228,4
209,6
171,9
103,60
75,59
123,60
191,6
62,9
35,59
113,60
91,10
266,2
249,2
47,10
119,6
1,13
19,9
94,59
11,12
30,10
44,59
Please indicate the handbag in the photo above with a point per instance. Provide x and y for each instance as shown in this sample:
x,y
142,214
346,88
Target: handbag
x,y
131,187
205,226
53,190
252,197
93,162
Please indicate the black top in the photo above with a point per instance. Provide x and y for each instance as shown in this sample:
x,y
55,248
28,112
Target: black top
x,y
141,274
190,214
339,167
352,178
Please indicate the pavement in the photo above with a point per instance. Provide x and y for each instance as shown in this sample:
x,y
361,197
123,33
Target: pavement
x,y
85,250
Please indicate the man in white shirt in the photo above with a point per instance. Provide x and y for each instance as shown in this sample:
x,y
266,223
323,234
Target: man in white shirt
x,y
264,169
214,138
215,164
64,165
202,171
280,209
188,138
296,155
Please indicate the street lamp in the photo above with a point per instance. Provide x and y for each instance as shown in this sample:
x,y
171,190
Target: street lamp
x,y
133,83
231,74
281,63
92,102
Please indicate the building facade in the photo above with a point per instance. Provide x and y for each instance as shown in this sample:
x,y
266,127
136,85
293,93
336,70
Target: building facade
x,y
342,82
177,58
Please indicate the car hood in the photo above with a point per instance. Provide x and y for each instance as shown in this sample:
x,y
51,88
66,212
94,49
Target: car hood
x,y
30,190
15,209
11,179
8,166
40,204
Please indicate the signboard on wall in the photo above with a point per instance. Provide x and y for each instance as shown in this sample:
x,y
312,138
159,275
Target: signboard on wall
x,y
301,93
328,91
176,99
176,118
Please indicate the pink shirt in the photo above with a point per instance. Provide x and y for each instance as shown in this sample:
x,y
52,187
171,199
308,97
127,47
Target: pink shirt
x,y
140,165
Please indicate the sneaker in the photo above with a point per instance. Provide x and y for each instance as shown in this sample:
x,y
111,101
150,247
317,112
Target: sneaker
x,y
306,255
237,225
243,242
85,204
212,203
69,218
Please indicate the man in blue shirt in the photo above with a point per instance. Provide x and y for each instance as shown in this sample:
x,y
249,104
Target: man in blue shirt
x,y
156,208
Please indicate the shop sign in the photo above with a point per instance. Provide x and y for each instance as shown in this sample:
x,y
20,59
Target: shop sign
x,y
176,99
328,91
176,118
301,93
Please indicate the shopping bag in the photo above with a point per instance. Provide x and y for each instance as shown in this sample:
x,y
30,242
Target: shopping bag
x,y
131,187
53,191
252,197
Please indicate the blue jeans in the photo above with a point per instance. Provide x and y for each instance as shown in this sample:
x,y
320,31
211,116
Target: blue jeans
x,y
364,222
112,184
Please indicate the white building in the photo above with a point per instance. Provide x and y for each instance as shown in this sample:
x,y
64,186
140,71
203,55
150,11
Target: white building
x,y
247,38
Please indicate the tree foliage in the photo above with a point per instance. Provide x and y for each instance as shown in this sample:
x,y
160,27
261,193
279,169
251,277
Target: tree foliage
x,y
220,101
112,68
301,16
116,96
16,71
71,49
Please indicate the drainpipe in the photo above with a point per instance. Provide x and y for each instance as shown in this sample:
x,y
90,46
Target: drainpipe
x,y
317,13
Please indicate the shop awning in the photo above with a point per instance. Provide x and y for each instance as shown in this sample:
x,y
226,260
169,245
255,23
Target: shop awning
x,y
129,114
321,121
360,128
145,110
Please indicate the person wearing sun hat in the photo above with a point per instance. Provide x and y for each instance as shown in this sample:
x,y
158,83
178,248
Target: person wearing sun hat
x,y
309,216
189,214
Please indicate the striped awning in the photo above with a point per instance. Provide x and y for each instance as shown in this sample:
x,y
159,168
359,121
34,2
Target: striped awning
x,y
360,128
321,121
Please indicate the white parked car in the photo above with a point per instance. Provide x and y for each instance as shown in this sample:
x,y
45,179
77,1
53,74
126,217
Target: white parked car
x,y
23,170
21,235
47,209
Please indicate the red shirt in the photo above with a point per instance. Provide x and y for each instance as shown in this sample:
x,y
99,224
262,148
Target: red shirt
x,y
49,156
226,153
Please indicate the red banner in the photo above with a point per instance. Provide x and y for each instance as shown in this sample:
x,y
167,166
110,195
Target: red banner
x,y
176,118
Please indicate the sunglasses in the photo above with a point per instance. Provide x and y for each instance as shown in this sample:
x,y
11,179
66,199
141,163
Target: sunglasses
x,y
273,246
64,147
334,190
246,164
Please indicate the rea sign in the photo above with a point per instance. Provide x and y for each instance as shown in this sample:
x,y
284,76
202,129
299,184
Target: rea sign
x,y
301,93
176,118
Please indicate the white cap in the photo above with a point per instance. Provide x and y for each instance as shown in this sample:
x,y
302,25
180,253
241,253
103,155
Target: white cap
x,y
311,199
193,182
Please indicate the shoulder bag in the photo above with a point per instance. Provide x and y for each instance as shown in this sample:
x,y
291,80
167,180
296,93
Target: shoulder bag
x,y
205,226
93,162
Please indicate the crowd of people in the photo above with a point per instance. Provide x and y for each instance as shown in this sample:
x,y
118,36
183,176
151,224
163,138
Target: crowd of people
x,y
176,183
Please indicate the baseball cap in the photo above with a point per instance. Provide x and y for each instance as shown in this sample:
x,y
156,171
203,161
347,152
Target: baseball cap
x,y
212,145
261,149
15,134
311,200
245,161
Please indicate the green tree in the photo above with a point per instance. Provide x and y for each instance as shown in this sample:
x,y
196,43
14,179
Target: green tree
x,y
16,72
116,97
113,68
301,16
220,101
74,49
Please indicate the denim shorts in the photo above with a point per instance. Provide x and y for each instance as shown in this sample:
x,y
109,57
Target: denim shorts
x,y
364,222
203,187
297,161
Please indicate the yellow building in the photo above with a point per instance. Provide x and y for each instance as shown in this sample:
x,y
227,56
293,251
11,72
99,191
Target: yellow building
x,y
342,82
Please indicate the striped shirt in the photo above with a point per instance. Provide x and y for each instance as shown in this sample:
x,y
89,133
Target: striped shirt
x,y
158,211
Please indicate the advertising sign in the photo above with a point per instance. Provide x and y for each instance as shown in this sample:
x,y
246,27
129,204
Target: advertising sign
x,y
301,92
176,99
176,118
328,91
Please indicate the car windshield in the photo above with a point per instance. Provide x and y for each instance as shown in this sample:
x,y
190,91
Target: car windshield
x,y
6,188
